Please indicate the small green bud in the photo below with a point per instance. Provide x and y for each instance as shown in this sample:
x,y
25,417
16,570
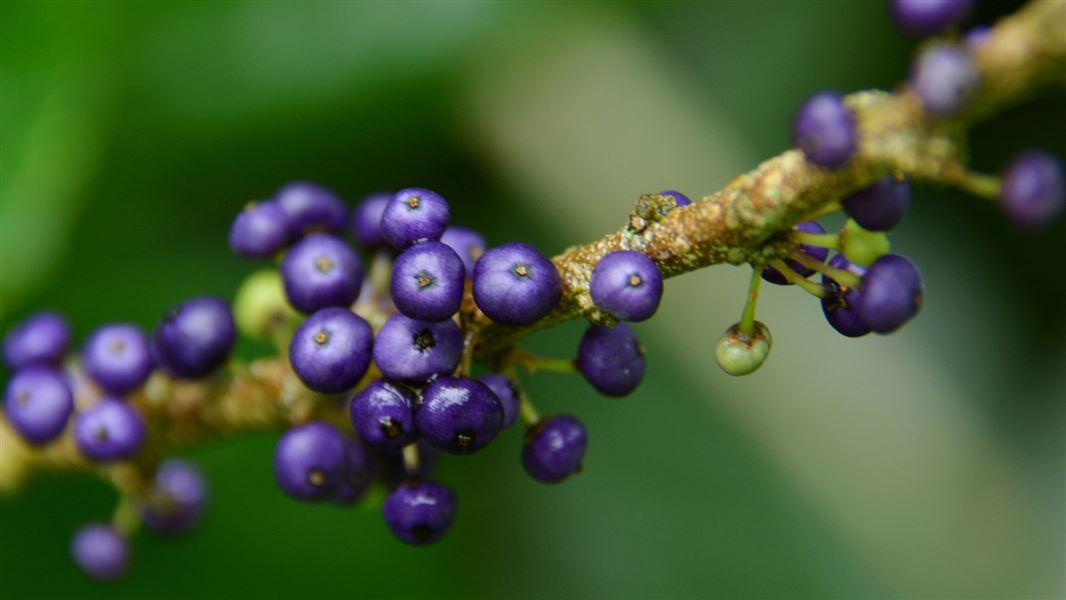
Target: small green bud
x,y
862,247
260,306
740,353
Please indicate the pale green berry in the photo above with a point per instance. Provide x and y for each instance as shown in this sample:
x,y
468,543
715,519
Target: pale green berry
x,y
740,353
260,307
861,246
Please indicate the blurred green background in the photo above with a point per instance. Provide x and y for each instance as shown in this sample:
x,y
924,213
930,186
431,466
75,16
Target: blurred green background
x,y
930,463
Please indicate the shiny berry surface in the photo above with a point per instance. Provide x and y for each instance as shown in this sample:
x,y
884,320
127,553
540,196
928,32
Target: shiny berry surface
x,y
427,281
331,350
310,461
627,284
321,271
459,415
414,215
419,513
195,337
611,359
516,285
554,449
824,129
383,414
410,350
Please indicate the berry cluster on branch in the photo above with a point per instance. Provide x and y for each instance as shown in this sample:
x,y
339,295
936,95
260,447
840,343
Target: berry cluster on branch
x,y
375,376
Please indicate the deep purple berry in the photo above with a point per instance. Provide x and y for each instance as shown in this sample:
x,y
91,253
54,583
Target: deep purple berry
x,y
467,243
100,551
320,271
414,215
679,198
118,357
507,393
383,414
358,473
411,350
177,500
38,403
516,285
627,284
419,513
611,359
459,415
195,337
427,282
1033,190
841,305
945,77
261,230
928,17
310,461
310,207
111,430
816,252
880,206
824,128
41,339
331,350
366,219
554,449
891,293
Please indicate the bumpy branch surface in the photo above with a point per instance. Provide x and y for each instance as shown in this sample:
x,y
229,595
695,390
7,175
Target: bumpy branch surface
x,y
743,223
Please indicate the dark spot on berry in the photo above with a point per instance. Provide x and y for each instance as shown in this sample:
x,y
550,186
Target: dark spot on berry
x,y
321,337
463,441
316,477
390,428
424,280
424,341
635,280
117,347
101,434
521,270
324,264
414,202
421,532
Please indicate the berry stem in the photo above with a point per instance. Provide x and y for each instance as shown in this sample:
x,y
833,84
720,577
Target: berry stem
x,y
981,185
822,211
844,278
411,459
821,240
127,515
793,277
533,363
747,320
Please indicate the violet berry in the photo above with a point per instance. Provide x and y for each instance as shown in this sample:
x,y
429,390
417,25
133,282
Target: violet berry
x,y
38,403
824,129
310,207
467,243
195,337
419,513
310,461
841,304
627,284
881,205
415,351
261,230
330,351
459,415
928,17
816,252
679,198
111,430
891,293
611,359
383,414
554,449
945,77
366,219
118,357
1033,190
177,499
358,473
507,393
414,215
41,339
319,271
100,551
427,282
516,285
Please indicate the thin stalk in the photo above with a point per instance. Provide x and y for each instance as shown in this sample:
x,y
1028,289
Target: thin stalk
x,y
844,278
747,320
821,240
793,277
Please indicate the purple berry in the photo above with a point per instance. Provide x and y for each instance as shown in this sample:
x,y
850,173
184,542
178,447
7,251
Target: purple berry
x,y
880,206
100,551
383,415
111,430
41,339
310,207
976,37
627,284
554,449
310,461
195,337
410,350
507,393
679,198
358,473
928,17
38,403
414,215
1033,190
824,128
176,502
611,360
261,230
330,351
427,282
818,253
467,243
891,293
366,219
118,357
459,415
419,513
841,306
319,271
516,285
945,77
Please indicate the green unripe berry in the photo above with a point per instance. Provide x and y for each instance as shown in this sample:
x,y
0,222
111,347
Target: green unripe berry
x,y
260,307
861,246
740,353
